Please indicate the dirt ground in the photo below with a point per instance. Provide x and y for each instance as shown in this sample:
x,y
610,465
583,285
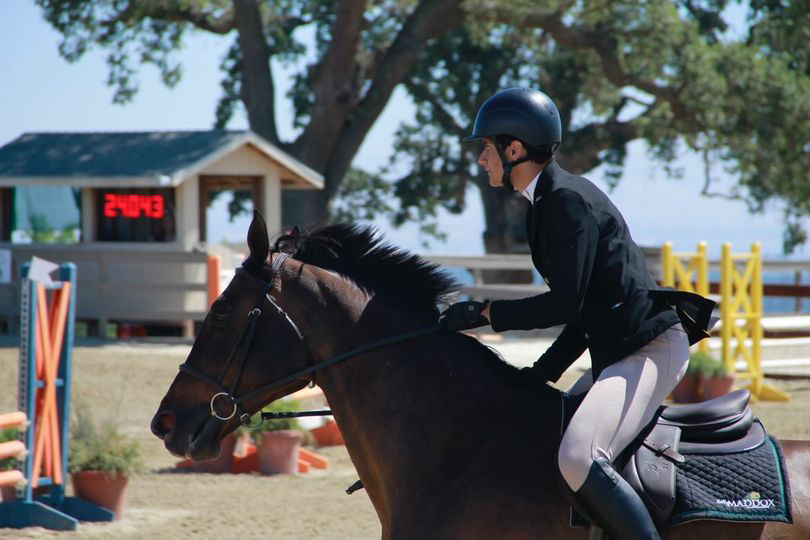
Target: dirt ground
x,y
125,383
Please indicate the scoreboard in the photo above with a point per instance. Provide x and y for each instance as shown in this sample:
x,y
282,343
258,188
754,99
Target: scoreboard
x,y
135,215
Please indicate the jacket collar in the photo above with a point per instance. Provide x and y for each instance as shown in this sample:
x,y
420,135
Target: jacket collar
x,y
546,180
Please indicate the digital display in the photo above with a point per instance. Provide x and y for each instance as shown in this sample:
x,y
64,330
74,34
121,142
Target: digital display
x,y
133,206
135,215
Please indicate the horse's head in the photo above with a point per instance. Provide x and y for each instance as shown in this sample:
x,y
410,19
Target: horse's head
x,y
246,348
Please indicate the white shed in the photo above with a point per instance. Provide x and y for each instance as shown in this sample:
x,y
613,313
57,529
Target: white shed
x,y
136,214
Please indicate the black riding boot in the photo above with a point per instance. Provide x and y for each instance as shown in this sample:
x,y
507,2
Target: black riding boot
x,y
609,499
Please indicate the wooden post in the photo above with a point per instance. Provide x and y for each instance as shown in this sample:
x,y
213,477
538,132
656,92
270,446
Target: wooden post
x,y
726,300
667,266
214,278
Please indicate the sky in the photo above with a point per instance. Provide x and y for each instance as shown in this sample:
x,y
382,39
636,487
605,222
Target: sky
x,y
43,92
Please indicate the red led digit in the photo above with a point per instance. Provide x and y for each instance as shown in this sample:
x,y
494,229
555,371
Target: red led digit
x,y
157,206
144,206
109,205
121,204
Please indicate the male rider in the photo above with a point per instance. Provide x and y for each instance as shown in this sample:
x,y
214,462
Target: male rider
x,y
600,289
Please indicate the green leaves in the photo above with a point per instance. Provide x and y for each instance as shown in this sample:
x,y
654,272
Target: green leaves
x,y
101,447
284,405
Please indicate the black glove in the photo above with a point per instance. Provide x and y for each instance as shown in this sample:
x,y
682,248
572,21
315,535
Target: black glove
x,y
534,375
463,316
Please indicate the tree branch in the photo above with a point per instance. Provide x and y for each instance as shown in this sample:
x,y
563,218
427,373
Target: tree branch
x,y
707,180
591,38
592,139
216,25
442,115
332,84
258,92
428,20
160,11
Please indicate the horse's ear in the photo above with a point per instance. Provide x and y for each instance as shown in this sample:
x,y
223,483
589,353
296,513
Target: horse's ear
x,y
257,240
288,242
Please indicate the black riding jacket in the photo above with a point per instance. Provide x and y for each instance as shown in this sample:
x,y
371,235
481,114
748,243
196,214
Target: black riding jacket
x,y
598,278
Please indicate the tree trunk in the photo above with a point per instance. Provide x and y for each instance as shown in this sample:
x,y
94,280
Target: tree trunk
x,y
303,208
257,81
505,232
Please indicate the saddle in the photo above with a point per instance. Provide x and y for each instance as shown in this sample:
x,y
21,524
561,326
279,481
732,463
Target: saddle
x,y
724,425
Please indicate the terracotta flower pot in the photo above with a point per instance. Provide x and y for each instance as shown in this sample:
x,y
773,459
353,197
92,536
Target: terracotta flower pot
x,y
8,493
278,452
717,386
687,390
328,434
101,489
224,461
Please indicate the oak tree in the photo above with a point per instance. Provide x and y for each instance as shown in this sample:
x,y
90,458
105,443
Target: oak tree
x,y
674,74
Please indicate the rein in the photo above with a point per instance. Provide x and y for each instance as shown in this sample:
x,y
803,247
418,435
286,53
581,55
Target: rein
x,y
247,339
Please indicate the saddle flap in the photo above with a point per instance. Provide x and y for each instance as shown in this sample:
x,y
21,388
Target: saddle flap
x,y
651,470
754,438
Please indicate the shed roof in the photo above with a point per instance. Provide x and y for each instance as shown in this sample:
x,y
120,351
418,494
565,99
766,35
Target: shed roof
x,y
140,158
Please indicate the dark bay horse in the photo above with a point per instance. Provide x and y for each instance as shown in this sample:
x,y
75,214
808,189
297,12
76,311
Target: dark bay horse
x,y
449,441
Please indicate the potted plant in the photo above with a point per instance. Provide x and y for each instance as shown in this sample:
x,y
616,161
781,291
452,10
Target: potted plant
x,y
705,378
223,463
715,380
8,493
688,389
278,441
328,434
100,462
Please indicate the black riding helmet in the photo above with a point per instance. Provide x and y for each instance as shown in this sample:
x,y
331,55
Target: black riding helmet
x,y
523,113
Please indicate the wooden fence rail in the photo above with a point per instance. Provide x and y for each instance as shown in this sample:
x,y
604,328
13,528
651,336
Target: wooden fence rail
x,y
149,285
477,264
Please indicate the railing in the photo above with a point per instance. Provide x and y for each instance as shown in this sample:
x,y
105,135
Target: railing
x,y
120,284
495,291
160,285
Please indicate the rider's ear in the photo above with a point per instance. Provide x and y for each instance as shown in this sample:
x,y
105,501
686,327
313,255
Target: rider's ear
x,y
517,149
257,240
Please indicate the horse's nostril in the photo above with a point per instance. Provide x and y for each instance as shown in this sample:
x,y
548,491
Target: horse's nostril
x,y
163,423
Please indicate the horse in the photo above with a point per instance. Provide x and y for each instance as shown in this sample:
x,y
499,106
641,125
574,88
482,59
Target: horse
x,y
448,439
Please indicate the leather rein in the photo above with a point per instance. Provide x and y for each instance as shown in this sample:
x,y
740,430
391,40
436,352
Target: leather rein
x,y
246,339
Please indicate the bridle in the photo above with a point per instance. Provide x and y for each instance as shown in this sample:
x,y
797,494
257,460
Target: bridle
x,y
243,347
246,339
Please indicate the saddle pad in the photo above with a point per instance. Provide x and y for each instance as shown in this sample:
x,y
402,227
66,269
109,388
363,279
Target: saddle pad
x,y
750,486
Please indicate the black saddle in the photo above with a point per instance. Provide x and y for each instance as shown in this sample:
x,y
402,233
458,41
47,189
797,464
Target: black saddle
x,y
723,425
719,420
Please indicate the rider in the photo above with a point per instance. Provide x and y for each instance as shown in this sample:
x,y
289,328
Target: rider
x,y
599,289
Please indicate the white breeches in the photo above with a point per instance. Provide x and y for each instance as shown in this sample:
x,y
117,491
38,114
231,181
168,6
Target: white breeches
x,y
620,403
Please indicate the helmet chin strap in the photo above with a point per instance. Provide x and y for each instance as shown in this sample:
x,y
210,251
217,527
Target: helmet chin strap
x,y
507,168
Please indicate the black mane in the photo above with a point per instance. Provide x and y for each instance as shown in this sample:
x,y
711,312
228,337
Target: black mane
x,y
361,254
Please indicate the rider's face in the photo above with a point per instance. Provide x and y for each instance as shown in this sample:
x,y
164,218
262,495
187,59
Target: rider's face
x,y
491,162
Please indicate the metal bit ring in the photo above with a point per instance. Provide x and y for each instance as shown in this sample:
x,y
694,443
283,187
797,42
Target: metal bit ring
x,y
213,410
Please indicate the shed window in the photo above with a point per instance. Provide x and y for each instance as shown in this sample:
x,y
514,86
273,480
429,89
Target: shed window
x,y
135,215
45,214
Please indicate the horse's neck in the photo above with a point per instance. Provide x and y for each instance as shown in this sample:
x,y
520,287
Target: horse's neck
x,y
404,408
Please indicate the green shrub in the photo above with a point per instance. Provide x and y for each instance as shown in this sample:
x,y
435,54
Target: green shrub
x,y
101,448
8,434
287,405
705,365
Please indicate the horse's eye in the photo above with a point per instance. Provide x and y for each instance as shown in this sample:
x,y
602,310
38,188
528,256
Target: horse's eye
x,y
222,311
